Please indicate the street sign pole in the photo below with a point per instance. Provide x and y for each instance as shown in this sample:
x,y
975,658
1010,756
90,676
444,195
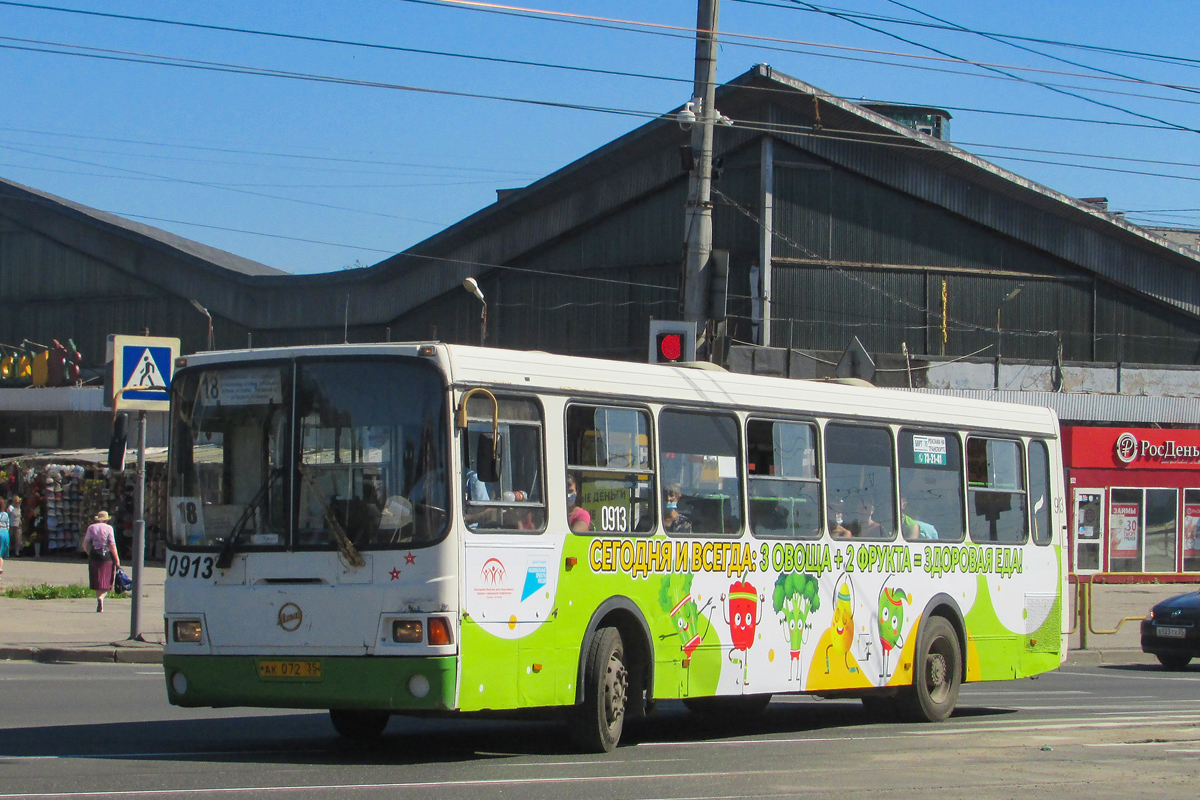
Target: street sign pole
x,y
141,370
139,532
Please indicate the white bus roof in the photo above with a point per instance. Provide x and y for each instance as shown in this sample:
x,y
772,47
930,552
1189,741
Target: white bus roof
x,y
574,376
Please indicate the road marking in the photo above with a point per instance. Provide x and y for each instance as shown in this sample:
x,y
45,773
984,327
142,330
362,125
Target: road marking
x,y
407,785
744,742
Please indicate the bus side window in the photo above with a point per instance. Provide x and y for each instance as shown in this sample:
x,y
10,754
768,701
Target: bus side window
x,y
700,458
1039,491
517,501
783,479
859,482
931,486
608,465
996,491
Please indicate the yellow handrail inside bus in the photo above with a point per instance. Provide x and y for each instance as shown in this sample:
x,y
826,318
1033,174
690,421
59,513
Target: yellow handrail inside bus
x,y
462,411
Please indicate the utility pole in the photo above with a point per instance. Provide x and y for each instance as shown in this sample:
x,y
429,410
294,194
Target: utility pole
x,y
698,228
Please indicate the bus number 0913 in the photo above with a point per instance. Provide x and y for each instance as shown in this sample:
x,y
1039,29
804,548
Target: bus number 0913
x,y
190,567
614,518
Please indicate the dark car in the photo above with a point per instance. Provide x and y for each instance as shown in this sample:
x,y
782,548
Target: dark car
x,y
1171,631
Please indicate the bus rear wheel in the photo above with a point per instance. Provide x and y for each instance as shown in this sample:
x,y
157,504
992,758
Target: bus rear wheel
x,y
358,725
597,724
937,673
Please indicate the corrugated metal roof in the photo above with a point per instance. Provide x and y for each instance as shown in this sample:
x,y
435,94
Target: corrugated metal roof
x,y
1081,407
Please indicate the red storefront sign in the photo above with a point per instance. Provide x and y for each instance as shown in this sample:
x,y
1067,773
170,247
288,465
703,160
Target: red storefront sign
x,y
1131,448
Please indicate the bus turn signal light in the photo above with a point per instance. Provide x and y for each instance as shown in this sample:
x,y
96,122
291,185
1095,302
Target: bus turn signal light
x,y
407,631
439,630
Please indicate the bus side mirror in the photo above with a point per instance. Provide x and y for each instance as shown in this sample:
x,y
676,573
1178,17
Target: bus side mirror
x,y
487,458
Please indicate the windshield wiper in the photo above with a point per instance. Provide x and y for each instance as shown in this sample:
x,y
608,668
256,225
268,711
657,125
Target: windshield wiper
x,y
225,558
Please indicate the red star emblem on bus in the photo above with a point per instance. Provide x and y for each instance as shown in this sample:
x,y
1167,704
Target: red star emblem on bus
x,y
410,559
395,573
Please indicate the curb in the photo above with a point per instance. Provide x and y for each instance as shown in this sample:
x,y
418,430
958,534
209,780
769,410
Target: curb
x,y
106,654
1092,658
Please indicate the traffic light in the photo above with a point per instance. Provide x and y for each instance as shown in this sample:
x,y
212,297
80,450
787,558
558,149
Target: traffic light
x,y
672,341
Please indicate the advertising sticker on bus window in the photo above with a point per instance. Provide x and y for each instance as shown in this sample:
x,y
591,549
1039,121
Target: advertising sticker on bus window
x,y
929,450
242,387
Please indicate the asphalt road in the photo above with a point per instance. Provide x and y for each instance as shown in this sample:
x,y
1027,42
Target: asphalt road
x,y
107,731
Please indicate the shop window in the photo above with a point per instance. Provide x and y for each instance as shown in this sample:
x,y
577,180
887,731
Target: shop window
x,y
516,502
931,486
44,432
1039,491
784,484
1125,530
1088,514
1191,522
699,455
996,491
860,482
610,483
1161,518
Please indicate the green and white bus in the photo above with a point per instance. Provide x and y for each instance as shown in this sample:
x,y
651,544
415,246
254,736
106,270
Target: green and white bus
x,y
429,528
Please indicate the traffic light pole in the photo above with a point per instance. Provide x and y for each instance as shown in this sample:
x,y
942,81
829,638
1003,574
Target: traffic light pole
x,y
698,229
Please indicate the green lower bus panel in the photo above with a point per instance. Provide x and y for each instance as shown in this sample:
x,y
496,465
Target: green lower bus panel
x,y
363,682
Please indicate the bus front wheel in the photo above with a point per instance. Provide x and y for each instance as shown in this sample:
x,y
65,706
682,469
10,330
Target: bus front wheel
x,y
359,726
598,722
937,673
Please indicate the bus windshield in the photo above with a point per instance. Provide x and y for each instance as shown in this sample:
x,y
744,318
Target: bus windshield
x,y
312,454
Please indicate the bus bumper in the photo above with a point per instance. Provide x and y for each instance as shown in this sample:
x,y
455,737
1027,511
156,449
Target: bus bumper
x,y
398,684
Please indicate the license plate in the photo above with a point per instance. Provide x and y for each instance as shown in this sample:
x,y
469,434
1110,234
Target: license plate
x,y
310,670
1172,633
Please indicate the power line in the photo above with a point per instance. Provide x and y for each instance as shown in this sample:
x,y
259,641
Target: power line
x,y
251,233
1138,54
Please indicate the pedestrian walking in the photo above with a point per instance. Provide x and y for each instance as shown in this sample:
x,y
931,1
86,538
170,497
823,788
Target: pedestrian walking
x,y
103,562
3,532
14,526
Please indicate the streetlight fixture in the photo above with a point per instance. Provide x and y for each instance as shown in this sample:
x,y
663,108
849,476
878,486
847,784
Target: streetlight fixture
x,y
472,286
1010,296
204,311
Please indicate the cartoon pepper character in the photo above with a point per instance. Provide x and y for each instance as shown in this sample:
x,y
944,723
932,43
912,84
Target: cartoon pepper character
x,y
842,626
676,599
795,598
742,611
891,621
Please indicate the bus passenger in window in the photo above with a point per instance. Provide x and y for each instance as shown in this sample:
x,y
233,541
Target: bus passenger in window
x,y
578,517
836,519
673,521
912,527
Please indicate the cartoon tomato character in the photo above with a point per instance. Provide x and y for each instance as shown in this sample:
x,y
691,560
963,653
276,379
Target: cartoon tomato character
x,y
742,612
891,621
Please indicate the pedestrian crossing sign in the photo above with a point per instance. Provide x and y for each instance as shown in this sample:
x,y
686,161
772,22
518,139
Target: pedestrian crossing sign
x,y
142,367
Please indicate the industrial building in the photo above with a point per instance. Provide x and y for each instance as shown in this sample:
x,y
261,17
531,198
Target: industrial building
x,y
841,222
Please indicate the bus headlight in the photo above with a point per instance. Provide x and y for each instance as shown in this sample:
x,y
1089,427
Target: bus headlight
x,y
179,683
188,630
408,631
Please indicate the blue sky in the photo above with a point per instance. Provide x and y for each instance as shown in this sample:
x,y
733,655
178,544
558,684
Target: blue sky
x,y
255,165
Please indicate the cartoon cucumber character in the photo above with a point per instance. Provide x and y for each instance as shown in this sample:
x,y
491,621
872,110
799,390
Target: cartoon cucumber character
x,y
676,599
795,598
891,621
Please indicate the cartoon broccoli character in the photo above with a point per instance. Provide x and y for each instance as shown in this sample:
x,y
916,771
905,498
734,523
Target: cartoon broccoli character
x,y
795,598
891,621
676,599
